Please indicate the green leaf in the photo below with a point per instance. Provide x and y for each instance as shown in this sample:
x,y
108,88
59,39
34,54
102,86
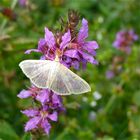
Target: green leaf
x,y
7,132
26,136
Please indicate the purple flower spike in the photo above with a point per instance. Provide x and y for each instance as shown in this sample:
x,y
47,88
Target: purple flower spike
x,y
40,119
81,50
72,50
124,40
50,106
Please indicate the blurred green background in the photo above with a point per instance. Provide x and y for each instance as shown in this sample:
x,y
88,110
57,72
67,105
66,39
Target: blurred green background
x,y
112,110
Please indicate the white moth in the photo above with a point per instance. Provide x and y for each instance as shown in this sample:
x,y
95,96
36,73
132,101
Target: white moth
x,y
55,76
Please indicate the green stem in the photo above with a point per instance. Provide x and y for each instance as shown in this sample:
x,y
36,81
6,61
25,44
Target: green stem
x,y
110,102
13,5
33,137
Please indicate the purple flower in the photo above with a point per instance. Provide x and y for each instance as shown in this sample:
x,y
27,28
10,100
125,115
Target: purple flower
x,y
32,124
70,52
124,40
66,38
23,2
46,46
30,112
109,74
44,96
24,94
31,92
81,50
40,119
57,102
49,98
51,105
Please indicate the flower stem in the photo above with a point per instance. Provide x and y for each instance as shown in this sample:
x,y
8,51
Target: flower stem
x,y
33,137
110,102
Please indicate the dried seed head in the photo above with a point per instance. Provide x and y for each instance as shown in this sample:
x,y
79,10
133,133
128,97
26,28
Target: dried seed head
x,y
73,18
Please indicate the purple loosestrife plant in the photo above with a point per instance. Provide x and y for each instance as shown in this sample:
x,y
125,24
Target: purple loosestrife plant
x,y
50,105
73,49
124,40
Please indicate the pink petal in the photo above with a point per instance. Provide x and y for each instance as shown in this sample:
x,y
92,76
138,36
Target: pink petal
x,y
91,45
49,38
72,54
46,126
57,102
23,2
76,64
65,40
30,112
88,57
83,33
32,124
109,74
53,116
42,47
43,96
56,99
116,44
24,94
84,63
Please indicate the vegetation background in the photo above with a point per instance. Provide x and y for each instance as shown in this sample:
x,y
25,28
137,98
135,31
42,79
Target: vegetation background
x,y
112,110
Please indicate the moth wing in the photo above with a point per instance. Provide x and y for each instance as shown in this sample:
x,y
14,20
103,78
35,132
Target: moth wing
x,y
55,76
40,72
66,82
